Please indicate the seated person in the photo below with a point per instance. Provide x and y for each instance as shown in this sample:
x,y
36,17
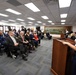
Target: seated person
x,y
14,46
73,36
6,34
22,40
15,33
2,42
36,39
27,37
48,35
33,39
39,36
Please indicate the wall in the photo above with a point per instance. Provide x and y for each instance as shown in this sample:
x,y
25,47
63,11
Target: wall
x,y
74,28
57,29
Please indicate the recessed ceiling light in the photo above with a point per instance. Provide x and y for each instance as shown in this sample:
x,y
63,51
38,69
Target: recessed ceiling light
x,y
13,11
39,22
4,15
64,3
50,21
30,18
63,15
20,19
32,7
63,20
44,17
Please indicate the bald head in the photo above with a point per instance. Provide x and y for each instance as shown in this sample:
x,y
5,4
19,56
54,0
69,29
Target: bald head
x,y
11,33
21,33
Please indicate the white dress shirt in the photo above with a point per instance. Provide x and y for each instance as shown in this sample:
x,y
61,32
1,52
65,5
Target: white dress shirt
x,y
13,39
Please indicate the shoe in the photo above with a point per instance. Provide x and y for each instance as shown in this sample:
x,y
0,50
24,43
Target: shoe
x,y
25,59
13,56
30,52
34,48
26,54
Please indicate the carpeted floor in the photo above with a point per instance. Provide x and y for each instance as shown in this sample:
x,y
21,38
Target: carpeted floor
x,y
39,62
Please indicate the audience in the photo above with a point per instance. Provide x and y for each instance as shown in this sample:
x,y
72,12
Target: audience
x,y
19,43
14,46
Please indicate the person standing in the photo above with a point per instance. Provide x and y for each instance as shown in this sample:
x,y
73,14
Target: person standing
x,y
74,56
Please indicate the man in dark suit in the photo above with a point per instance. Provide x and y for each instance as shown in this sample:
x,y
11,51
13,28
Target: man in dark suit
x,y
14,46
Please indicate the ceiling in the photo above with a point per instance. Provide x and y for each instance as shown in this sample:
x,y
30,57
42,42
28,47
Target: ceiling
x,y
50,8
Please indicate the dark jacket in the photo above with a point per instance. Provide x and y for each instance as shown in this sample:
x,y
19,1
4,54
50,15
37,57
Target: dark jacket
x,y
2,40
10,41
20,40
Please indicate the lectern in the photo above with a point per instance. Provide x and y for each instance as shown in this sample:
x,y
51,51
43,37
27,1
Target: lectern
x,y
61,58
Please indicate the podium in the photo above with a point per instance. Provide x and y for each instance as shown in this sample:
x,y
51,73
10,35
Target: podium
x,y
62,35
61,58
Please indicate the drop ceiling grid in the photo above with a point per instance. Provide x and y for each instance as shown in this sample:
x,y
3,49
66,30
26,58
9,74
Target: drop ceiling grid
x,y
55,12
72,13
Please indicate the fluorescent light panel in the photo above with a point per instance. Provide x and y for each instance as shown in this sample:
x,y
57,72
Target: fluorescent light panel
x,y
36,24
63,15
50,21
13,11
53,23
64,3
63,20
30,22
62,23
11,20
44,17
32,7
30,18
39,22
3,21
4,15
44,23
20,19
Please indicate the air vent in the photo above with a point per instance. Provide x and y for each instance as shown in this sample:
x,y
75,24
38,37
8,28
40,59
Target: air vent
x,y
14,2
50,1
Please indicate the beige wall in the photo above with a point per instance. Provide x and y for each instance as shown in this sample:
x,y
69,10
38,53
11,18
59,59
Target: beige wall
x,y
74,28
57,28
